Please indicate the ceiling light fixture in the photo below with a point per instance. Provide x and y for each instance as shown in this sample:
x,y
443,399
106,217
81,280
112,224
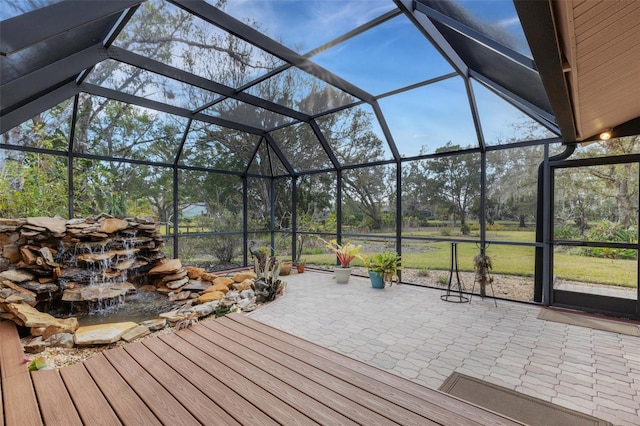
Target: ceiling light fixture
x,y
606,135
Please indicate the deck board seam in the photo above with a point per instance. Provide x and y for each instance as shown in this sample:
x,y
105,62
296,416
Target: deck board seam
x,y
472,413
298,415
369,405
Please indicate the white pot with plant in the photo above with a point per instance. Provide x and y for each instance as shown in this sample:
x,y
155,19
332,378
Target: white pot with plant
x,y
345,253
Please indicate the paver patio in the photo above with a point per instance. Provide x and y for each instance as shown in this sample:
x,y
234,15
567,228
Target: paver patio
x,y
409,331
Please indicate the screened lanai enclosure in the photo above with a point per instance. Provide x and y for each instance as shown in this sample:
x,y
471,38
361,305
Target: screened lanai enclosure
x,y
406,126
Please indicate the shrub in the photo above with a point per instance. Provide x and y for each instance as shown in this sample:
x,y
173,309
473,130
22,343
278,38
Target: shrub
x,y
225,247
425,271
614,233
566,232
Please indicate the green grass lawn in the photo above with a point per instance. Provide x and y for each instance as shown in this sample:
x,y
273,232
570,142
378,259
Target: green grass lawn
x,y
620,272
506,259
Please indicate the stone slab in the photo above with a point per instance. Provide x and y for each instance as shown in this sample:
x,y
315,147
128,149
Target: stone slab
x,y
102,334
136,333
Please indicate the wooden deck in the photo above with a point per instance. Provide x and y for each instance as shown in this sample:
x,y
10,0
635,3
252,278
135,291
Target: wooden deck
x,y
228,371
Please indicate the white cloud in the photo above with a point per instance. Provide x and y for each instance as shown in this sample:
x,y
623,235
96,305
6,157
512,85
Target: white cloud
x,y
508,22
310,23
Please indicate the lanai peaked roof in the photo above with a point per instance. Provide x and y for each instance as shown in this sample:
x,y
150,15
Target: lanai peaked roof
x,y
59,49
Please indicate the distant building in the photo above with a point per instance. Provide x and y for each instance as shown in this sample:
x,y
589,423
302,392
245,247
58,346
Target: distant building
x,y
193,210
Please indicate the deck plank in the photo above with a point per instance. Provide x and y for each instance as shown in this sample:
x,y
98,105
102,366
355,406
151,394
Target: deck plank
x,y
183,391
323,413
89,401
19,402
1,402
158,399
362,390
56,406
258,396
435,404
233,370
359,405
131,410
232,402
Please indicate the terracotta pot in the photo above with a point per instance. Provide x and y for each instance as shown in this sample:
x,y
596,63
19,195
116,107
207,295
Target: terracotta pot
x,y
300,268
285,267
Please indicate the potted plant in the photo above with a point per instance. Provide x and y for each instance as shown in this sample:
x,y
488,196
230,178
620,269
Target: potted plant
x,y
345,253
300,265
383,268
285,267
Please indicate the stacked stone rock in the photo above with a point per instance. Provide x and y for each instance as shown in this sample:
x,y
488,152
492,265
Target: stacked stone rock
x,y
207,293
54,257
189,285
41,258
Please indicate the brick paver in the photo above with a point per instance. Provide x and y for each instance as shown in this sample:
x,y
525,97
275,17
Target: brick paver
x,y
410,332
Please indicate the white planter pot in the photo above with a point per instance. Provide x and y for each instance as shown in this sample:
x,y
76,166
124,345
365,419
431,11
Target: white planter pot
x,y
342,274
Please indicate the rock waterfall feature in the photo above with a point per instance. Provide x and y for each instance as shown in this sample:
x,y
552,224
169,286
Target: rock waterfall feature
x,y
86,262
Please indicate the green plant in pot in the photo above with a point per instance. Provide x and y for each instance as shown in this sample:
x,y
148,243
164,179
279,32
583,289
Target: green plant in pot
x,y
383,268
345,253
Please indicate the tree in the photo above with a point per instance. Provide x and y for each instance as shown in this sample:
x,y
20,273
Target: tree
x,y
597,196
35,184
351,136
512,178
454,180
617,181
368,190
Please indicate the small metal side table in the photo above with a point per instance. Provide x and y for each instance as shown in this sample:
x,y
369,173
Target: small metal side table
x,y
453,295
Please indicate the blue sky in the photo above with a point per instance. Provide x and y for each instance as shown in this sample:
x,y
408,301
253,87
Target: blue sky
x,y
393,55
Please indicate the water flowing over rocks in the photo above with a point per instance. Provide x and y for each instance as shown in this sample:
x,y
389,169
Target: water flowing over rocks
x,y
45,260
87,262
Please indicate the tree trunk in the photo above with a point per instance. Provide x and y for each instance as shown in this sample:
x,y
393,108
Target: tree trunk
x,y
522,222
623,198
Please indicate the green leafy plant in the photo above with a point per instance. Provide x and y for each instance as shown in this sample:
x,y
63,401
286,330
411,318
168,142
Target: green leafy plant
x,y
345,253
611,232
425,271
386,263
38,364
222,310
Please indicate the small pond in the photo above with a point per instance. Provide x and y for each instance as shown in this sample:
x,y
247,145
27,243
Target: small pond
x,y
137,307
